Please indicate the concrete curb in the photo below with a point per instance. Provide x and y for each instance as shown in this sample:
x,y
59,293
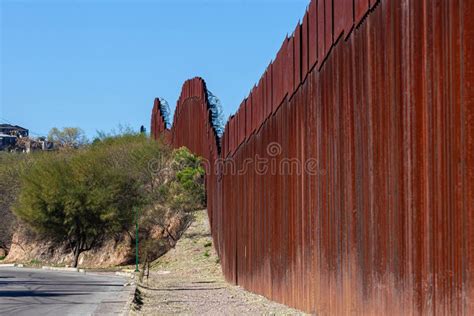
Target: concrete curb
x,y
64,269
12,265
8,265
131,296
126,274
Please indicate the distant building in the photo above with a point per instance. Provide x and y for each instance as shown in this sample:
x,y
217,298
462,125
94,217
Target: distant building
x,y
16,138
13,130
7,141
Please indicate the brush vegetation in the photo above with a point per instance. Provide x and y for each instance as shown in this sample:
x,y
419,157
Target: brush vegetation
x,y
87,195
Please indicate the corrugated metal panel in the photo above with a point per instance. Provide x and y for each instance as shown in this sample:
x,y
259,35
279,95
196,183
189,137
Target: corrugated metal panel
x,y
339,17
381,221
322,50
277,82
348,18
328,21
253,107
313,34
360,10
290,67
297,57
304,47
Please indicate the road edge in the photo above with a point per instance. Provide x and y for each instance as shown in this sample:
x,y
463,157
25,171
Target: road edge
x,y
131,296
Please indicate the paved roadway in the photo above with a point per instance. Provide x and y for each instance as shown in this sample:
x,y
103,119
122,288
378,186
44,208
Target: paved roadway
x,y
39,292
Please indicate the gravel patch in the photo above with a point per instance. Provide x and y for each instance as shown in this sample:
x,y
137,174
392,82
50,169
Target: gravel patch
x,y
188,280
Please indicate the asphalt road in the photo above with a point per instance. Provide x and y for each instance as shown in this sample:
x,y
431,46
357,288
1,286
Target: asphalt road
x,y
39,292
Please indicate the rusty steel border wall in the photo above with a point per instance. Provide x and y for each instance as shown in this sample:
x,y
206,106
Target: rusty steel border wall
x,y
374,100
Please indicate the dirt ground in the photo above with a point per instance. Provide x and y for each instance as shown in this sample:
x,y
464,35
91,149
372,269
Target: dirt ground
x,y
188,280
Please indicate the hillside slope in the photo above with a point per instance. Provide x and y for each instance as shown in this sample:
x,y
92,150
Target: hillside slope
x,y
188,280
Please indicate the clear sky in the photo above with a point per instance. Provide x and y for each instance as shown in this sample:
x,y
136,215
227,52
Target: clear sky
x,y
96,64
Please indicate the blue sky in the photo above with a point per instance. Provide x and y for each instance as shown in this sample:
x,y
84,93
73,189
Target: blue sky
x,y
98,64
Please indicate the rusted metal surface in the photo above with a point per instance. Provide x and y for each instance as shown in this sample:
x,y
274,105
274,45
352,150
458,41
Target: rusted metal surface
x,y
380,218
158,125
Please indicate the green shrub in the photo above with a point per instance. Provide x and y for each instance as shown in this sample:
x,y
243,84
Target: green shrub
x,y
189,187
35,262
84,196
11,167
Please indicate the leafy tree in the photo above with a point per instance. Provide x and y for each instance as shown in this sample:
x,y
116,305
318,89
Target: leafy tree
x,y
11,166
116,133
188,190
85,196
178,191
68,137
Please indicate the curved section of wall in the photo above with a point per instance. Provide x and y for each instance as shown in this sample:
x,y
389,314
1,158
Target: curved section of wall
x,y
345,181
192,128
158,122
